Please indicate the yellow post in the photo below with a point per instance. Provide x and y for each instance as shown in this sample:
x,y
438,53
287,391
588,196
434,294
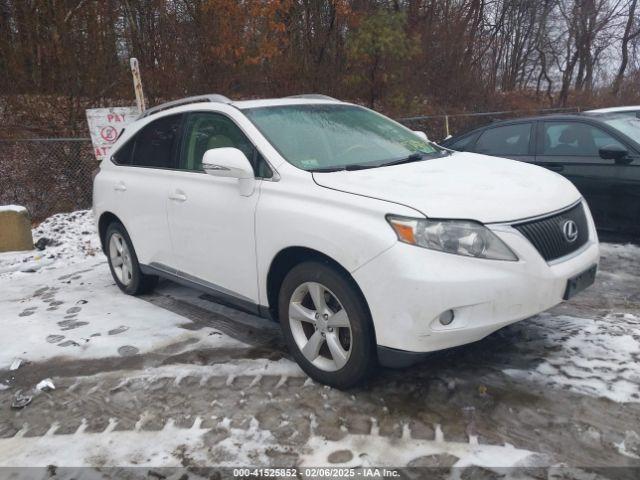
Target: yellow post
x,y
15,229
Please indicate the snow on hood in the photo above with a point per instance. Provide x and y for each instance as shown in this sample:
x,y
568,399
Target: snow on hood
x,y
463,185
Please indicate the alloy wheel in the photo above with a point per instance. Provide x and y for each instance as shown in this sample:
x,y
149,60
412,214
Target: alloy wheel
x,y
320,326
120,258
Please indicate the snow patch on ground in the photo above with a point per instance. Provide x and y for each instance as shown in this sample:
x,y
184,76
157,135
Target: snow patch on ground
x,y
173,446
598,357
357,450
231,369
79,312
630,446
72,238
169,447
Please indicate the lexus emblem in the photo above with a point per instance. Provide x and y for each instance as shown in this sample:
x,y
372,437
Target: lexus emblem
x,y
570,231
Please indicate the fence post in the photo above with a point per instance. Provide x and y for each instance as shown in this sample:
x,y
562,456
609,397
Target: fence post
x,y
137,84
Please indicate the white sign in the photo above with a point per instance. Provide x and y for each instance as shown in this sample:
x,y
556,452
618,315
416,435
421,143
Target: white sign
x,y
105,125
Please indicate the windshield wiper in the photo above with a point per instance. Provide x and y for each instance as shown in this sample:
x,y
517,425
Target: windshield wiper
x,y
414,157
354,166
326,170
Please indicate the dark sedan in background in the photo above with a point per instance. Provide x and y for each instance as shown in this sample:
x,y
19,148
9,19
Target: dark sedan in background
x,y
599,154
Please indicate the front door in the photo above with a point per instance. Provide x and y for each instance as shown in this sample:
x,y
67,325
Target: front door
x,y
211,223
571,148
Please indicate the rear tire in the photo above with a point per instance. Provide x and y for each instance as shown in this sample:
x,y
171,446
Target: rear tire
x,y
335,343
123,262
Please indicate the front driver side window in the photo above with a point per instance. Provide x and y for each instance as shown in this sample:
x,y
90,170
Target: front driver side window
x,y
205,131
575,138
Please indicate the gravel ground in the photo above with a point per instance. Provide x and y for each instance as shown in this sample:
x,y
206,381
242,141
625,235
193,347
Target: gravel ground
x,y
174,380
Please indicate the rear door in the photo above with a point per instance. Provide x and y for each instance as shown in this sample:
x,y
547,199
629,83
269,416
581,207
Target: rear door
x,y
571,148
513,141
148,162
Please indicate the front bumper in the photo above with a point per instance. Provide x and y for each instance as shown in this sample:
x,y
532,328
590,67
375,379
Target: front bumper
x,y
407,288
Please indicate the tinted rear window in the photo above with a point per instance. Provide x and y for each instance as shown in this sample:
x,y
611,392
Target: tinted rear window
x,y
507,140
464,144
155,144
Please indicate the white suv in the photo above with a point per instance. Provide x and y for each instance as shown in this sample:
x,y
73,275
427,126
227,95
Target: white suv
x,y
368,243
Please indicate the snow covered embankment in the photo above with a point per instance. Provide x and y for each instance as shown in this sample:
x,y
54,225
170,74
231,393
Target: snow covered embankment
x,y
65,238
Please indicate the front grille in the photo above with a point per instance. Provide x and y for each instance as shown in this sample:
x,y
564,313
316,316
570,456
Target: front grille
x,y
548,236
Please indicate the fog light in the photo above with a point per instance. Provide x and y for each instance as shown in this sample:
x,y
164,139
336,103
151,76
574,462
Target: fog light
x,y
446,317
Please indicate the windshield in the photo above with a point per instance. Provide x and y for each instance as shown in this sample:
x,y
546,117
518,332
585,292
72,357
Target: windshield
x,y
324,137
627,124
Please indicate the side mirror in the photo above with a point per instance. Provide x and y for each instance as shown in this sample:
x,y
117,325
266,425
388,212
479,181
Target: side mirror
x,y
227,162
613,152
422,135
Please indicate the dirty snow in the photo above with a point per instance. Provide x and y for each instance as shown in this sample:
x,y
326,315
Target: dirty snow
x,y
165,448
73,238
63,302
241,446
594,356
630,446
77,311
256,368
378,451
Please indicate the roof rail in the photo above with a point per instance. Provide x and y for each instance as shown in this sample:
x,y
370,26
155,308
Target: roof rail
x,y
314,96
185,101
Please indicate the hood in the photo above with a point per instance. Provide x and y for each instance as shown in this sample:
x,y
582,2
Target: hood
x,y
463,185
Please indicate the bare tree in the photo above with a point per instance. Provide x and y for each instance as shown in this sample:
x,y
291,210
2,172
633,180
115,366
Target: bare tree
x,y
627,37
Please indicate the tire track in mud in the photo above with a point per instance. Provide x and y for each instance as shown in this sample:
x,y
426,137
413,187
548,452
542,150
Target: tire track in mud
x,y
577,430
221,407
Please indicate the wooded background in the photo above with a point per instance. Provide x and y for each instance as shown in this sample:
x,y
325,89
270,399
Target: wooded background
x,y
403,57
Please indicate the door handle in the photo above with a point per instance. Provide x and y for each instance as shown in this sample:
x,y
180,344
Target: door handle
x,y
553,166
120,187
178,197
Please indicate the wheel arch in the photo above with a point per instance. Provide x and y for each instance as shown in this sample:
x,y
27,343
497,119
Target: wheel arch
x,y
106,219
288,258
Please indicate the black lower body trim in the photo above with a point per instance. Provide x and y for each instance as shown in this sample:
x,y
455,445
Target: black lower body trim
x,y
394,358
217,296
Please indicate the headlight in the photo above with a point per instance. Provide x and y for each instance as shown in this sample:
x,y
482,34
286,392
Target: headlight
x,y
461,237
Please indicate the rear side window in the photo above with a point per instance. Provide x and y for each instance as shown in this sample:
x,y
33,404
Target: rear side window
x,y
123,155
507,140
155,144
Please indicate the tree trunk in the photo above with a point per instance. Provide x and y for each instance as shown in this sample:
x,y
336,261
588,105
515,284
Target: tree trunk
x,y
617,83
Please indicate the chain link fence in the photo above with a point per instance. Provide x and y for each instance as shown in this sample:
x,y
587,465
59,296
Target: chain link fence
x,y
48,175
54,175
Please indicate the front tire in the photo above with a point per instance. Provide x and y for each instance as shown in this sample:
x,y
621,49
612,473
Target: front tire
x,y
123,262
326,325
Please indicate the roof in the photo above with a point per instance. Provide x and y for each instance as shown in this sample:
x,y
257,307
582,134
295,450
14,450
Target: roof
x,y
277,102
632,108
558,116
304,99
